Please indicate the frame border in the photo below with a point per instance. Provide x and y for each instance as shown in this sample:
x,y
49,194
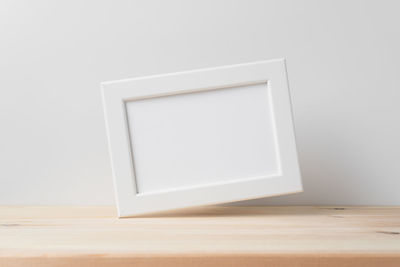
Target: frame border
x,y
117,93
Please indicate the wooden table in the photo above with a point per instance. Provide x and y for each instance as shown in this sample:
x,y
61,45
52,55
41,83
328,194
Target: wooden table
x,y
211,236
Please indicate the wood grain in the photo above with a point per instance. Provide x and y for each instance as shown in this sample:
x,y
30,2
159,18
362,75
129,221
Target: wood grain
x,y
213,236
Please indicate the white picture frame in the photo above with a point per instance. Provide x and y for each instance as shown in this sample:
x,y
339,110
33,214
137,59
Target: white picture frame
x,y
201,137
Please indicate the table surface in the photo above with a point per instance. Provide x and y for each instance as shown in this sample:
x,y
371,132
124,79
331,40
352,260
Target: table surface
x,y
215,235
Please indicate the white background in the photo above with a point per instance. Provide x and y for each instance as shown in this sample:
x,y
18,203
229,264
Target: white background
x,y
343,60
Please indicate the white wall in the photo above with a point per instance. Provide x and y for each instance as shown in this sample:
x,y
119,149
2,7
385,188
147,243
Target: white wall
x,y
344,69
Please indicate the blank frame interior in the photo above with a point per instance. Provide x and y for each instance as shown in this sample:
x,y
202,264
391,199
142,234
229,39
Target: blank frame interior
x,y
203,138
